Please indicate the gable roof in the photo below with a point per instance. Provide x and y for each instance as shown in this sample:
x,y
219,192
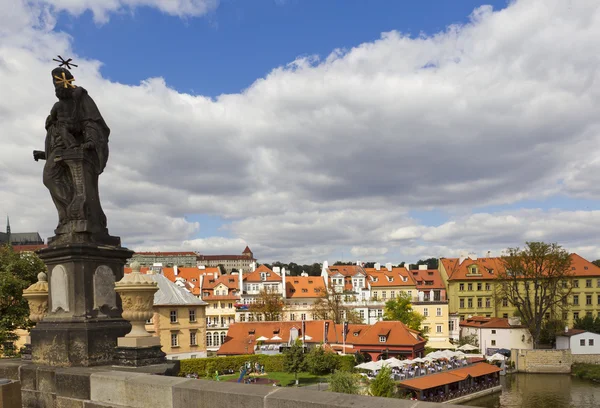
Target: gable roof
x,y
171,294
346,270
246,250
426,279
304,286
381,278
256,275
571,332
489,323
449,377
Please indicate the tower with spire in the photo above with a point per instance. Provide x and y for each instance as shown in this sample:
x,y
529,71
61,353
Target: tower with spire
x,y
8,237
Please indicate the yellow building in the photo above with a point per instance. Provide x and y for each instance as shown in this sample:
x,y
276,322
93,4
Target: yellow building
x,y
179,320
472,292
221,295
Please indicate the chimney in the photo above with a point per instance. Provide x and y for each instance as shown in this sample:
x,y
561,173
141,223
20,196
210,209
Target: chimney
x,y
284,272
407,266
462,258
241,282
473,256
422,267
358,263
489,254
252,266
202,267
283,284
388,266
277,270
175,270
200,284
377,266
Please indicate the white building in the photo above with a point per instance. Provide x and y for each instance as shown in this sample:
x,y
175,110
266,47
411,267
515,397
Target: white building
x,y
579,342
494,333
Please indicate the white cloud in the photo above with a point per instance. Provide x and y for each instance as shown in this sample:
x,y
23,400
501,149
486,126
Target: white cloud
x,y
329,155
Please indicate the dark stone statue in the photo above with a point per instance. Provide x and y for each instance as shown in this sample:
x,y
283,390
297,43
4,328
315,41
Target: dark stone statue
x,y
76,153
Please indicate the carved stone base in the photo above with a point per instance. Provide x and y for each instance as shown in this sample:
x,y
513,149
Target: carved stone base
x,y
138,357
84,312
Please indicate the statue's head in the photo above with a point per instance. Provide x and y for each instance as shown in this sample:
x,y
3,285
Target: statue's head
x,y
63,83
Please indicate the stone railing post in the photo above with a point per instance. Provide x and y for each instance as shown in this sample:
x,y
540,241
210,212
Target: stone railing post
x,y
138,347
37,298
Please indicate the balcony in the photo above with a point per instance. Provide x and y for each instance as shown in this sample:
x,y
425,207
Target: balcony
x,y
437,299
217,326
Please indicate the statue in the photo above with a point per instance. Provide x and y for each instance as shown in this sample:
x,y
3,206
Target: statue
x,y
76,153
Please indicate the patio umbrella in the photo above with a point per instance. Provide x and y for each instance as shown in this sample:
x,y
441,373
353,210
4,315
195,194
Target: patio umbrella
x,y
394,362
468,347
436,354
262,338
496,357
276,338
418,360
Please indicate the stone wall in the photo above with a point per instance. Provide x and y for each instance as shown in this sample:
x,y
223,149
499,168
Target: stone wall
x,y
542,361
586,358
49,387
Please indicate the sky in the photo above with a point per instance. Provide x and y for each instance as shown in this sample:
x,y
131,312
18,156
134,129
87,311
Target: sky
x,y
318,130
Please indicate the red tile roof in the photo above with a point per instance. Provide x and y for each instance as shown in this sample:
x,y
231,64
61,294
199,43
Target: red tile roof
x,y
428,279
489,323
245,334
571,332
449,377
256,277
28,248
488,268
246,250
381,278
304,286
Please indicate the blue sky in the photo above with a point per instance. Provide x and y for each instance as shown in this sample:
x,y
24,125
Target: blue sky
x,y
428,141
243,40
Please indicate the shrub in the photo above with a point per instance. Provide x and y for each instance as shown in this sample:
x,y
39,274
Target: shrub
x,y
383,385
344,382
318,361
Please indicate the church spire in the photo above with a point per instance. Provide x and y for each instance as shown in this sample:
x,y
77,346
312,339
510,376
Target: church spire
x,y
9,240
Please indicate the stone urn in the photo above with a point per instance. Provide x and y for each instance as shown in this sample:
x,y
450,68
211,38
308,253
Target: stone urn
x,y
137,298
37,297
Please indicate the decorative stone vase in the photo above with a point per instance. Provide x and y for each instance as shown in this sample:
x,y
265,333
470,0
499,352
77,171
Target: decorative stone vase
x,y
137,298
37,297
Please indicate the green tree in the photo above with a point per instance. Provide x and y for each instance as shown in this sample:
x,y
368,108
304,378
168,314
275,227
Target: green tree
x,y
319,361
550,329
344,382
537,281
587,323
596,262
330,306
17,272
269,304
383,385
295,359
400,309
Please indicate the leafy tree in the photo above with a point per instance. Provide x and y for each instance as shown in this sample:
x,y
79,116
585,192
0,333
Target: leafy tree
x,y
587,323
344,382
17,272
550,329
330,306
432,263
319,361
401,265
269,304
470,339
340,263
383,385
295,359
596,262
400,309
537,281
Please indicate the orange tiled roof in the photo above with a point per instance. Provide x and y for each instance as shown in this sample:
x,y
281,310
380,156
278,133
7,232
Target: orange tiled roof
x,y
304,286
489,323
428,279
449,377
571,332
381,278
231,281
28,248
346,270
255,276
488,268
399,334
246,250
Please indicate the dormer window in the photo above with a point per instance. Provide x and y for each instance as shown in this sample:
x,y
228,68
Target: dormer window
x,y
382,339
304,290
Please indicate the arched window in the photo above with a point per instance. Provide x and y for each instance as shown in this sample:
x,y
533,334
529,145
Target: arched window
x,y
215,339
208,340
223,334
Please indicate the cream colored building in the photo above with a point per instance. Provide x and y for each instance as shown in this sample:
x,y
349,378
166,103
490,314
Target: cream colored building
x,y
231,263
221,295
179,320
301,292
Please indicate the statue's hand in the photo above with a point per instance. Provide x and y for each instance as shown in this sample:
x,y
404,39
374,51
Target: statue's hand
x,y
39,155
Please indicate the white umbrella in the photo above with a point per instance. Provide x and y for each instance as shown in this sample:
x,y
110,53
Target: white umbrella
x,y
307,337
468,347
262,338
394,362
276,338
370,366
496,357
436,354
418,360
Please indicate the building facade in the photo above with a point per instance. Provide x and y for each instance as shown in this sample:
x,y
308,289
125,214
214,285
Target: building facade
x,y
579,342
301,293
166,259
494,333
230,263
221,294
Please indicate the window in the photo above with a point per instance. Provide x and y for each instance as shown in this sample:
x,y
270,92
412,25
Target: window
x,y
425,329
461,287
575,315
590,342
361,313
598,283
230,306
384,294
462,304
451,325
487,286
588,283
382,339
488,302
193,339
208,340
493,331
505,302
374,295
505,315
192,316
582,342
469,286
438,328
565,315
303,316
393,294
470,302
479,286
215,305
292,316
576,299
588,299
425,312
243,317
223,334
493,342
575,283
438,311
174,340
379,313
479,302
173,316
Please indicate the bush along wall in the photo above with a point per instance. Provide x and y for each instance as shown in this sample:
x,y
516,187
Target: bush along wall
x,y
272,363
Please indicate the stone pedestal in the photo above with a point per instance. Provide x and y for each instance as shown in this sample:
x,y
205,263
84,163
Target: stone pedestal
x,y
84,319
